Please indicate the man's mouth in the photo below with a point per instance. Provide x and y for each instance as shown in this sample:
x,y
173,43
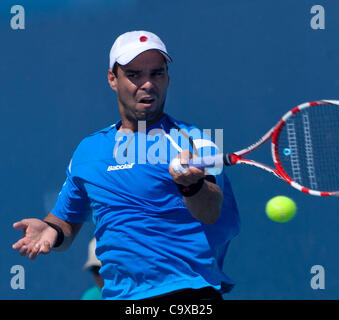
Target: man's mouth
x,y
146,100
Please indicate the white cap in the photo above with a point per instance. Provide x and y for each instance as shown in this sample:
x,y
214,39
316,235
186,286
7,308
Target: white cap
x,y
130,44
92,260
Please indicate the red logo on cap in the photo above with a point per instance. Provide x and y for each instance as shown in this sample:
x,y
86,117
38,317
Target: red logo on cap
x,y
143,39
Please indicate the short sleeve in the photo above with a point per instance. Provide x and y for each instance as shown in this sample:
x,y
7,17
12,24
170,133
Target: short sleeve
x,y
72,204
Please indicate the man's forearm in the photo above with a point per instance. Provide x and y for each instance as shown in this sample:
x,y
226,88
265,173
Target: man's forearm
x,y
206,205
69,230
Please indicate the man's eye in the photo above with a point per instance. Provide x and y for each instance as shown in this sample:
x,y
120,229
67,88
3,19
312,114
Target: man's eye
x,y
132,75
159,73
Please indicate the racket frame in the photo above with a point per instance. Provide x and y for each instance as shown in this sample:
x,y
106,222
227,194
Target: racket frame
x,y
274,133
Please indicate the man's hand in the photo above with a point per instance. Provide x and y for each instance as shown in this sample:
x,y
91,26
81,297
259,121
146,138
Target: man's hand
x,y
206,204
38,237
192,175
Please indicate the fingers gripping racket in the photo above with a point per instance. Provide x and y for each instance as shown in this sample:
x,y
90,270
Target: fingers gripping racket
x,y
304,147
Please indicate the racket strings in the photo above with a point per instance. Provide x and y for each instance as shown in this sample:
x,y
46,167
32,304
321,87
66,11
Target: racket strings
x,y
309,147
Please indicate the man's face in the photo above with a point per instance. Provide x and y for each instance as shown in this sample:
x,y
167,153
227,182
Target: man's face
x,y
141,87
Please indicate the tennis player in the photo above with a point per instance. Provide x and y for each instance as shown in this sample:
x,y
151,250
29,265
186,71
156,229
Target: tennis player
x,y
161,234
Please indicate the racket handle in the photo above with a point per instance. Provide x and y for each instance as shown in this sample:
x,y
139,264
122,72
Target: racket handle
x,y
207,162
198,162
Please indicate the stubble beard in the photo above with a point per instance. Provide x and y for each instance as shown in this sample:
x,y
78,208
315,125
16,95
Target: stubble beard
x,y
149,117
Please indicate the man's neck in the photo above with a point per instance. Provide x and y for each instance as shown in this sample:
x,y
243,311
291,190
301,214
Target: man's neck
x,y
132,126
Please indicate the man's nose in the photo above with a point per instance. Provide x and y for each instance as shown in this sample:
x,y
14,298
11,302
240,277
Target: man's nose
x,y
147,83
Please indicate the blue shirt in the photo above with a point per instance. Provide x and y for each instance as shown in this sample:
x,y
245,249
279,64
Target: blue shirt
x,y
147,241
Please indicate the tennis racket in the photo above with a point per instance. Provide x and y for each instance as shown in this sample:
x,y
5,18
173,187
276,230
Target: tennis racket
x,y
304,147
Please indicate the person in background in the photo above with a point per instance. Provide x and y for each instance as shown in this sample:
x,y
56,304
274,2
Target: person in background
x,y
93,266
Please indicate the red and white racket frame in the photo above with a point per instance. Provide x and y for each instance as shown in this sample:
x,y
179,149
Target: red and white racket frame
x,y
274,133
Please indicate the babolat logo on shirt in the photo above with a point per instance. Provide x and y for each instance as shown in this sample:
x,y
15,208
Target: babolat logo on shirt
x,y
120,167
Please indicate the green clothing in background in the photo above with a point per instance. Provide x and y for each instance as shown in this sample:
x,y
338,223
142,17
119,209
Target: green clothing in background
x,y
93,293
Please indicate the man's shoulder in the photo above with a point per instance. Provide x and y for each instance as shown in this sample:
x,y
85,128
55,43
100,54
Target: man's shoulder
x,y
101,132
96,136
92,146
183,125
196,133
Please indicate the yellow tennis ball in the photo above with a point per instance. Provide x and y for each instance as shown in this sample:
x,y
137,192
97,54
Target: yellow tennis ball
x,y
281,209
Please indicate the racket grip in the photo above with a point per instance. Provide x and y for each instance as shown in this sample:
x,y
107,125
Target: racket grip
x,y
199,162
207,162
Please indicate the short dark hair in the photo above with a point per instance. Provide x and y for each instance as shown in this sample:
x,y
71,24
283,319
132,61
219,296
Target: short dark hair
x,y
115,69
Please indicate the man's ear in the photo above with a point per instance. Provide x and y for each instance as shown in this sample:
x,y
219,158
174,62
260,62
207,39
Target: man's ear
x,y
112,79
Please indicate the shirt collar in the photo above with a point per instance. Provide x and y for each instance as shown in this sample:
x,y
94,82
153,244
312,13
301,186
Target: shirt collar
x,y
161,123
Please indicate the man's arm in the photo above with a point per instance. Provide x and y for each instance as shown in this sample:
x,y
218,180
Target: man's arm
x,y
39,237
70,230
206,204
